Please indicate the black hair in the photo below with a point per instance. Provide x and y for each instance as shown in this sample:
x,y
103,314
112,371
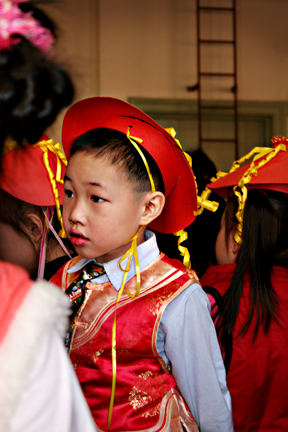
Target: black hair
x,y
203,168
14,212
33,88
265,244
230,218
116,147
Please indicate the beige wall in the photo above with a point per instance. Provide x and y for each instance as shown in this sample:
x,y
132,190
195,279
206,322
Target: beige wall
x,y
147,48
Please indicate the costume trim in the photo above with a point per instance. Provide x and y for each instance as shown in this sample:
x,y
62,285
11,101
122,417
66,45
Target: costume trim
x,y
159,317
173,416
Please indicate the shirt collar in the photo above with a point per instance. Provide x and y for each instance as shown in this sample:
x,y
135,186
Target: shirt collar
x,y
147,252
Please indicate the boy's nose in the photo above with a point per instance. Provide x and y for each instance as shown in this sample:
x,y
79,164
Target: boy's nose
x,y
77,215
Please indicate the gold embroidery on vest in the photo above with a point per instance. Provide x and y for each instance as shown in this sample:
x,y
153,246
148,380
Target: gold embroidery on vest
x,y
155,301
148,386
87,354
193,275
130,344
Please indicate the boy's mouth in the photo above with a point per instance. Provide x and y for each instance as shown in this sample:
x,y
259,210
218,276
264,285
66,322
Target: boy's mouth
x,y
77,238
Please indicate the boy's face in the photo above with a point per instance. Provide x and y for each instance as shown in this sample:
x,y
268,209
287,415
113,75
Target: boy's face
x,y
101,211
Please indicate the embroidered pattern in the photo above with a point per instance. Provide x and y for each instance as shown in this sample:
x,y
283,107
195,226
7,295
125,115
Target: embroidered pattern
x,y
148,387
192,274
89,353
155,301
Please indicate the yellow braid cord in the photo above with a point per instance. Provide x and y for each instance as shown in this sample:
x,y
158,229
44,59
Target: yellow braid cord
x,y
182,234
48,145
133,140
131,252
203,201
183,250
240,190
172,132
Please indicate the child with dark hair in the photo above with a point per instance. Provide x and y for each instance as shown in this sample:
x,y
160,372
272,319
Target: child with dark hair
x,y
31,191
141,338
248,289
38,387
33,88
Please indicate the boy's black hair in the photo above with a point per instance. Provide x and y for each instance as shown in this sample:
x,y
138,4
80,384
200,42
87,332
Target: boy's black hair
x,y
116,147
265,244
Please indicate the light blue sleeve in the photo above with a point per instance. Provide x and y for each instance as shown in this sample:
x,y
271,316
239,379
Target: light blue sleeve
x,y
187,339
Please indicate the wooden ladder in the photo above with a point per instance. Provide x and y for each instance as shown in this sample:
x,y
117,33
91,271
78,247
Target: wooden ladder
x,y
202,107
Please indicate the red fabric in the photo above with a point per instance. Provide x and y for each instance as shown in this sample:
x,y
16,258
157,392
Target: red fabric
x,y
178,177
14,286
258,374
57,277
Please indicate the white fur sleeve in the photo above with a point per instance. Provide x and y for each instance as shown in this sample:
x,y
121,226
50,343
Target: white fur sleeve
x,y
38,387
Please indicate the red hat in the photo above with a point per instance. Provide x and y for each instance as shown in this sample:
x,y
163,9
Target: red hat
x,y
25,176
178,177
269,170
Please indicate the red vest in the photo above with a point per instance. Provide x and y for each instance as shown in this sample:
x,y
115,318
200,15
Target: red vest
x,y
146,397
258,375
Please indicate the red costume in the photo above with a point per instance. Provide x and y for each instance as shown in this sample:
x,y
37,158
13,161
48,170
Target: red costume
x,y
258,374
146,396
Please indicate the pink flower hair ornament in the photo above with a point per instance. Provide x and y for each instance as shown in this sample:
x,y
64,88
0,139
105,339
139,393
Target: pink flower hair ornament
x,y
14,22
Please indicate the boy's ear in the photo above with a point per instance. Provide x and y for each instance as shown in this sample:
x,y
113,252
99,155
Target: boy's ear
x,y
154,203
34,227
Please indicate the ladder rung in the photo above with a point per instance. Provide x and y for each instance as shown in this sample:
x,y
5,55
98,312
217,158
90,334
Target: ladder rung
x,y
193,88
207,8
219,74
217,140
216,41
232,107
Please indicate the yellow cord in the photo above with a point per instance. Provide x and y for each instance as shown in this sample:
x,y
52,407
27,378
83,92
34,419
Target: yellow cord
x,y
131,252
48,145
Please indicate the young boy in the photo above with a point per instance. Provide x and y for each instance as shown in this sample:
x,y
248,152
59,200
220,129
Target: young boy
x,y
125,173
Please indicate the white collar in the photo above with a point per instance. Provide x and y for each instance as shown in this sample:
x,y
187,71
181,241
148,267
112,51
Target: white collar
x,y
147,252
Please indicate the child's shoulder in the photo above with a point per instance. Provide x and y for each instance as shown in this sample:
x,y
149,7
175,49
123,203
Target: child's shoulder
x,y
177,264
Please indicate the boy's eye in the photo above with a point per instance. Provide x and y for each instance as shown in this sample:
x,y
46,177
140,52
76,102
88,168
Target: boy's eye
x,y
69,193
96,199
